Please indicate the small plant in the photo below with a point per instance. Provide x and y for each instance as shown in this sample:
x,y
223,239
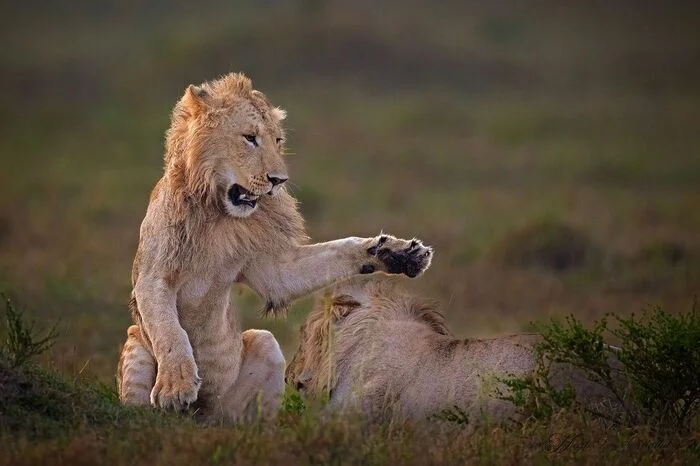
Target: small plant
x,y
292,402
534,394
658,360
22,341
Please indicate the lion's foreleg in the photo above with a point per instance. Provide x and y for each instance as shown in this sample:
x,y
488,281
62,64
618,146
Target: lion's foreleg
x,y
304,269
177,381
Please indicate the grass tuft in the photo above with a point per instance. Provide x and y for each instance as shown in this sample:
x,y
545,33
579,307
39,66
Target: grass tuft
x,y
22,340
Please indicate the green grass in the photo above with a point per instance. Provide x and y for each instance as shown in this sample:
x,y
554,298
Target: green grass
x,y
49,419
46,418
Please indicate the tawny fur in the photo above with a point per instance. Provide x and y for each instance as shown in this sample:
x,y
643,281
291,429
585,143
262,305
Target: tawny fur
x,y
195,242
374,348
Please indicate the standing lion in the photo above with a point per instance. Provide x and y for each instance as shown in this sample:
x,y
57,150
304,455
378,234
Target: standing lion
x,y
221,214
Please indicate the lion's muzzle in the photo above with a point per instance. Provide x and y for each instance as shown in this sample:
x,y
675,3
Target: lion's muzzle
x,y
240,196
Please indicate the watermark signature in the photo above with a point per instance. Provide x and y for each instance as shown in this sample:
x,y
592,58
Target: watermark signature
x,y
559,443
576,442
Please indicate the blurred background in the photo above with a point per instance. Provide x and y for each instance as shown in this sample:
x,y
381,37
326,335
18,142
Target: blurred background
x,y
548,150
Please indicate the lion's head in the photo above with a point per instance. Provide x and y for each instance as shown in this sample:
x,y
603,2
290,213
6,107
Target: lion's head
x,y
225,145
313,358
338,325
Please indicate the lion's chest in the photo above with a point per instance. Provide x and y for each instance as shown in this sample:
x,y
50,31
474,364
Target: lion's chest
x,y
207,291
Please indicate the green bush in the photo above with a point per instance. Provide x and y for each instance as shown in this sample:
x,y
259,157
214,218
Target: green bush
x,y
661,354
658,360
21,339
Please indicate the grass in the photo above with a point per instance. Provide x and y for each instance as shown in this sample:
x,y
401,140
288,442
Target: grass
x,y
462,125
49,419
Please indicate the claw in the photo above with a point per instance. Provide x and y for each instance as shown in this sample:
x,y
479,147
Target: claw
x,y
375,249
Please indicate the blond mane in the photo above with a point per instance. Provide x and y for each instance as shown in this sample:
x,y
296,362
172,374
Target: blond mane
x,y
359,305
193,198
373,347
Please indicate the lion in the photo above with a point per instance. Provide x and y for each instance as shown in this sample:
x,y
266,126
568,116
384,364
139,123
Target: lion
x,y
372,348
221,214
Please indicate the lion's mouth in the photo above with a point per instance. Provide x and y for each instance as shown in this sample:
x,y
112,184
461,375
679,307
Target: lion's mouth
x,y
240,196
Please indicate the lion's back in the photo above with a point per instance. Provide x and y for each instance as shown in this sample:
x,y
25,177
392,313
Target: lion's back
x,y
414,371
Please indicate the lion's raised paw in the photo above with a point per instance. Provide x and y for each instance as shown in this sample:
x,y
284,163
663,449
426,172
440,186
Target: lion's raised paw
x,y
399,256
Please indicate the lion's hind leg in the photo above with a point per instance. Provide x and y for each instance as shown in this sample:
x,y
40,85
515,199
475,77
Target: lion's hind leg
x,y
137,370
258,390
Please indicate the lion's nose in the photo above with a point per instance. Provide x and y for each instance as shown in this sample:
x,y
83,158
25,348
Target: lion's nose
x,y
275,180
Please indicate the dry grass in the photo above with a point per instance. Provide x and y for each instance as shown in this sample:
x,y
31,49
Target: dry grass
x,y
46,419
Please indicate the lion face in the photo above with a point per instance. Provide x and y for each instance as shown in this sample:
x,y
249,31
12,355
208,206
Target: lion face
x,y
312,364
232,143
251,166
300,371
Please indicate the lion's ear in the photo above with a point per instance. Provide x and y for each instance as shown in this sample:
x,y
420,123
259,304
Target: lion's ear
x,y
342,306
196,98
279,113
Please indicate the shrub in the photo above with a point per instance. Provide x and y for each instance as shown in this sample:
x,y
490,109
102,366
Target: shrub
x,y
549,245
658,358
660,254
661,355
22,340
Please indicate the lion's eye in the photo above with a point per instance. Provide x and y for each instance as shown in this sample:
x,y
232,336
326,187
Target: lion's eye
x,y
279,140
251,139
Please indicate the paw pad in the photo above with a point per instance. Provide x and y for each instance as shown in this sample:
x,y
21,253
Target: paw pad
x,y
410,258
368,268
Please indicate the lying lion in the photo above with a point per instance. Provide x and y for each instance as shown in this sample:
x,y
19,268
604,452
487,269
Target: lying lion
x,y
373,348
221,214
